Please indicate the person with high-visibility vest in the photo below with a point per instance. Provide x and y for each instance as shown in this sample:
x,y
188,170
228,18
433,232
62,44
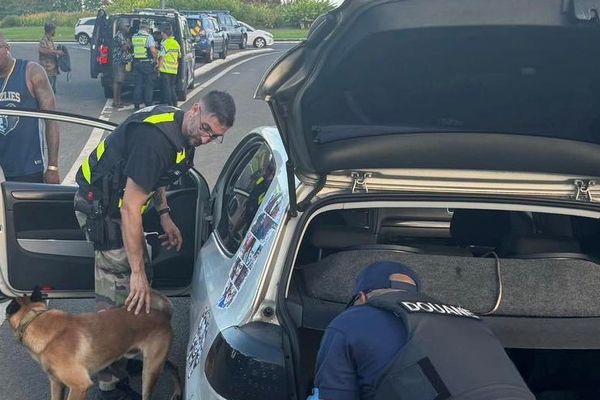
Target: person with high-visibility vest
x,y
124,176
144,56
168,63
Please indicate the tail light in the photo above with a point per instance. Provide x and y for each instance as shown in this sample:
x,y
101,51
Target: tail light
x,y
102,57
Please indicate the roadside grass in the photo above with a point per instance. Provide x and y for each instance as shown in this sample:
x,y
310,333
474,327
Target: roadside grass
x,y
66,33
288,34
35,33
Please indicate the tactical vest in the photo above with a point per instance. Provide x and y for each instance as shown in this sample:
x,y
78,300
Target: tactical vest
x,y
450,354
101,174
140,46
171,56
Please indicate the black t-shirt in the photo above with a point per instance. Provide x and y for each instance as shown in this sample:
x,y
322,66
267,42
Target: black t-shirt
x,y
151,154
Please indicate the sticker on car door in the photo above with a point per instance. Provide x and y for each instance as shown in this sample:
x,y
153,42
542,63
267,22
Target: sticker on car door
x,y
259,234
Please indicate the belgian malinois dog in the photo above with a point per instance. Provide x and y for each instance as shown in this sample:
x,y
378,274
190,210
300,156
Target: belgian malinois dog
x,y
70,348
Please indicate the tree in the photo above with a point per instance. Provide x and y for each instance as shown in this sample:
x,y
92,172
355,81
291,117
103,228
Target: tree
x,y
66,5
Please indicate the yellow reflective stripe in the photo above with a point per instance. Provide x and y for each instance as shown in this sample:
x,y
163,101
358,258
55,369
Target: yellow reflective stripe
x,y
120,202
87,172
147,204
158,118
259,180
180,156
100,150
261,198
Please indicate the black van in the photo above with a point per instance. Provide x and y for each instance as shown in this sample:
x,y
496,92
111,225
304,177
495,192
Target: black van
x,y
102,41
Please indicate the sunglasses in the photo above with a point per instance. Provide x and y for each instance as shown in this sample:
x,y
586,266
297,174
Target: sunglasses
x,y
213,137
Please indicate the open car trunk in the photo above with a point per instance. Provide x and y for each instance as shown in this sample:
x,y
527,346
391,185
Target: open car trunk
x,y
534,276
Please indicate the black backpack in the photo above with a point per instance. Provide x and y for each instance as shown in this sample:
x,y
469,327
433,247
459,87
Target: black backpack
x,y
64,61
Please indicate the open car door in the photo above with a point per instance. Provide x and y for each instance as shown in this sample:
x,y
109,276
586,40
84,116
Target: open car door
x,y
41,242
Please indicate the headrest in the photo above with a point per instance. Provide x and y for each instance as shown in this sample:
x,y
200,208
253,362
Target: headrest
x,y
479,227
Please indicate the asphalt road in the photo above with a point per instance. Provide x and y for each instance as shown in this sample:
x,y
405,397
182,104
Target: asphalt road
x,y
20,376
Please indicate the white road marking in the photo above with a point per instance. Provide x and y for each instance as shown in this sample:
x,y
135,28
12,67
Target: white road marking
x,y
3,311
93,140
216,77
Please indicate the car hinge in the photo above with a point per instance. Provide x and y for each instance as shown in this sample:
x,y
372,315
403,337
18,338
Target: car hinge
x,y
289,167
582,189
303,205
360,179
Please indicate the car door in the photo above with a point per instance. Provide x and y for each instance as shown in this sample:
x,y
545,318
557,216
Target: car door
x,y
249,204
234,33
99,44
41,242
187,51
218,35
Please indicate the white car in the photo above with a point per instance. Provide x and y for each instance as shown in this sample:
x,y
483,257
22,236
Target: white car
x,y
84,29
258,37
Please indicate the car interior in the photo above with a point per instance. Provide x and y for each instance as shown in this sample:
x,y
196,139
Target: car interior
x,y
533,276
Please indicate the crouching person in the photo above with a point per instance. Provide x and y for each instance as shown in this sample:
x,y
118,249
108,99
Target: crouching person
x,y
395,343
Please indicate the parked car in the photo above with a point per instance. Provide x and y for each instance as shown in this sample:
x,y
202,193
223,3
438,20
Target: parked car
x,y
102,41
474,160
257,37
210,39
84,30
236,33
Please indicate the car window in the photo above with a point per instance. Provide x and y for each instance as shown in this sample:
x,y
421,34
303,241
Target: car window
x,y
90,22
243,194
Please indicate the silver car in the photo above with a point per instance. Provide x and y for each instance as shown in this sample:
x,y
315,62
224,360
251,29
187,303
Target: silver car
x,y
461,137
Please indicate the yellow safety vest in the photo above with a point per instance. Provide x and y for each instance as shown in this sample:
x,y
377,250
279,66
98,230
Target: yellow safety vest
x,y
170,54
140,45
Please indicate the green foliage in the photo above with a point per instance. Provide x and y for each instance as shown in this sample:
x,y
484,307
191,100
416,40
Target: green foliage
x,y
302,13
130,5
297,14
39,19
10,21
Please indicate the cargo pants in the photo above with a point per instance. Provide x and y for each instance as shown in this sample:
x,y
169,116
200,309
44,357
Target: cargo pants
x,y
111,287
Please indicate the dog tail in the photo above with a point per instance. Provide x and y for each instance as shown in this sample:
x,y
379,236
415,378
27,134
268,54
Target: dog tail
x,y
174,372
162,303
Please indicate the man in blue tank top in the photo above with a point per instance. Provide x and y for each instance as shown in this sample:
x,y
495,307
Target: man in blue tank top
x,y
22,140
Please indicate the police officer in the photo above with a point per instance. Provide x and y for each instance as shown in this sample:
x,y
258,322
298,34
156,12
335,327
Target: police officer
x,y
168,63
119,181
144,56
393,342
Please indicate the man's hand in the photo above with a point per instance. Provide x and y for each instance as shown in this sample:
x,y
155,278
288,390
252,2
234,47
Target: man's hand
x,y
172,236
51,177
139,293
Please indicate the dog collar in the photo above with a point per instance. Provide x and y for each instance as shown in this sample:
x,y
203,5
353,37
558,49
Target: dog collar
x,y
27,319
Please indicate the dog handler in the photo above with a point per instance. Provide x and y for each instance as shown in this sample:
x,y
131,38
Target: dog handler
x,y
126,174
395,343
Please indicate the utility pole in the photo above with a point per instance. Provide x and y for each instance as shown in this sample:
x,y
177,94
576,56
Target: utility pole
x,y
162,4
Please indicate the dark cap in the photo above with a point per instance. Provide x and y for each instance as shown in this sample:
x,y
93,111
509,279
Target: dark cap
x,y
49,27
377,276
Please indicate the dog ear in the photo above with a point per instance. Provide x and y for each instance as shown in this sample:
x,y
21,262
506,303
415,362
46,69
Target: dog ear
x,y
36,296
13,307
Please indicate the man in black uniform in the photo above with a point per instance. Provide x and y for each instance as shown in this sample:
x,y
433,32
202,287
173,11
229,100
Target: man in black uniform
x,y
127,172
394,343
